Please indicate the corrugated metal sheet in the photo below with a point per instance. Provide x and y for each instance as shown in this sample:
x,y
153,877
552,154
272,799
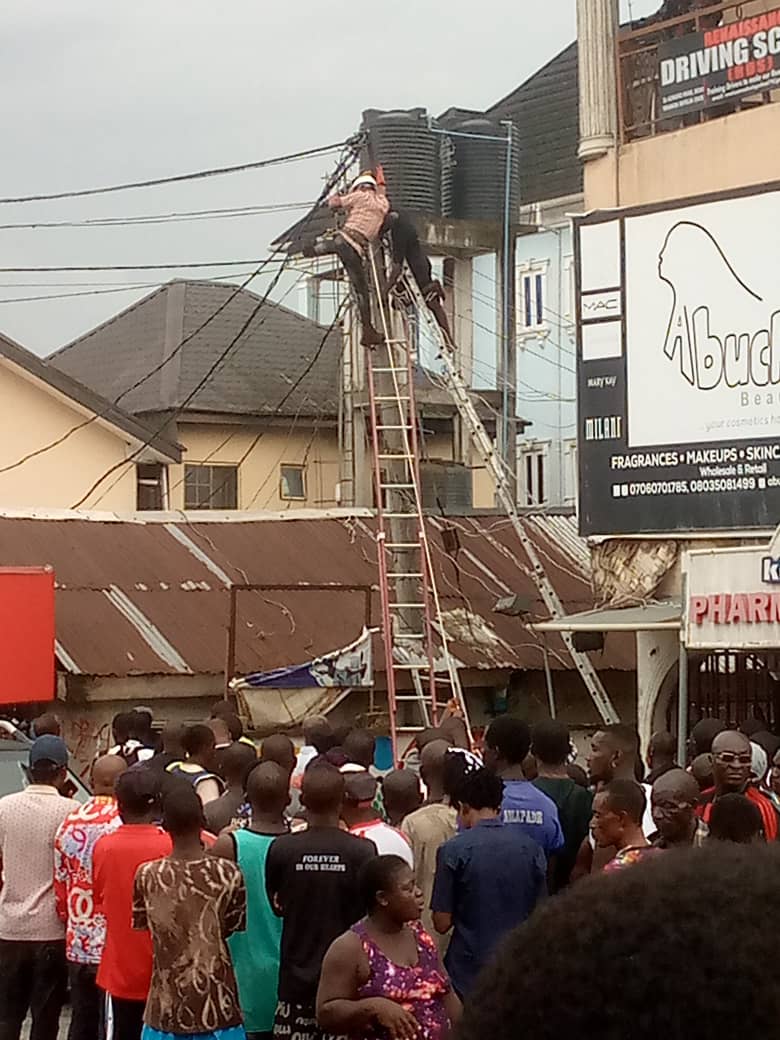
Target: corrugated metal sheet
x,y
135,598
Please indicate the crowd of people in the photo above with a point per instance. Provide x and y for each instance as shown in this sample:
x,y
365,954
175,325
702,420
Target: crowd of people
x,y
216,889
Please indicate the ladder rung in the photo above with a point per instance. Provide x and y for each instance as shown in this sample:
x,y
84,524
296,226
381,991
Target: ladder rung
x,y
405,574
407,635
410,667
395,342
410,698
380,369
412,515
392,426
396,487
406,606
402,545
391,397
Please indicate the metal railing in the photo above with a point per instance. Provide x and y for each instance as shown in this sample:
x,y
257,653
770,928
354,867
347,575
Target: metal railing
x,y
638,68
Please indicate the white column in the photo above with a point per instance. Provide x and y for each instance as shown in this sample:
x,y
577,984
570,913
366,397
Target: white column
x,y
596,33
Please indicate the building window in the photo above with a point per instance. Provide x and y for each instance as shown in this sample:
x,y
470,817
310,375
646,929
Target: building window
x,y
533,477
532,300
292,484
151,483
210,487
570,471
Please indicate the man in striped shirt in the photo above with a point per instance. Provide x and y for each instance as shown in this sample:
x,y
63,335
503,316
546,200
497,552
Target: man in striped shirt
x,y
731,766
366,207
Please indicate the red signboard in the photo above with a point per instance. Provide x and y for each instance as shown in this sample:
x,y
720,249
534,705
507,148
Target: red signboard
x,y
26,634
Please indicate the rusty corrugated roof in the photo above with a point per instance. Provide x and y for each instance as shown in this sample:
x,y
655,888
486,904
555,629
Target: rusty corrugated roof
x,y
150,597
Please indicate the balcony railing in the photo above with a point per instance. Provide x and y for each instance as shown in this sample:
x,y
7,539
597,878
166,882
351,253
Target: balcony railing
x,y
642,91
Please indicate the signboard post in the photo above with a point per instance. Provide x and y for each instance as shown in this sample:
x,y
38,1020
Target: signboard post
x,y
679,366
27,668
718,65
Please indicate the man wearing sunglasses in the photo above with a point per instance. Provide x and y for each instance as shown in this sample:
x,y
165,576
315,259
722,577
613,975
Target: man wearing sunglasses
x,y
731,767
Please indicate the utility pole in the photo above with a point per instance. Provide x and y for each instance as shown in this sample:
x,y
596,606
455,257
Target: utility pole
x,y
507,360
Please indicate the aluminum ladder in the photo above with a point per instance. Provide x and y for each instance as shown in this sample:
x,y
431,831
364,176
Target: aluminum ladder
x,y
495,466
422,675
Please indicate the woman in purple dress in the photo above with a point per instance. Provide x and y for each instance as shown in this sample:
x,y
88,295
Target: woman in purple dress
x,y
383,978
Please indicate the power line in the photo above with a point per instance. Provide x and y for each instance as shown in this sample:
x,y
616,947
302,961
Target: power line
x,y
139,267
178,178
343,164
161,218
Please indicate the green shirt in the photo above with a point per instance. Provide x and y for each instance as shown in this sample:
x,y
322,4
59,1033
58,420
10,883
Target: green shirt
x,y
255,952
575,806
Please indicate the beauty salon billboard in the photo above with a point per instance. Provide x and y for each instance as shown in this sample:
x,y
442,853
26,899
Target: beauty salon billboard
x,y
679,366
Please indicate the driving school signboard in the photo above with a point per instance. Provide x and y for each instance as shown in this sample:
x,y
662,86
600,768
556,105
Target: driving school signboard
x,y
703,69
678,360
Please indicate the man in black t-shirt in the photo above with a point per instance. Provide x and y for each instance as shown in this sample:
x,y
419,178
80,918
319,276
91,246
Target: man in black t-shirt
x,y
312,882
406,246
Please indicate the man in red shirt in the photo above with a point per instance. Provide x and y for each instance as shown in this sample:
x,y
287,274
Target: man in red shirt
x,y
731,766
125,970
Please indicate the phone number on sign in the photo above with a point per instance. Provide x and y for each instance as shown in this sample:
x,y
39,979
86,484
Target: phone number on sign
x,y
693,487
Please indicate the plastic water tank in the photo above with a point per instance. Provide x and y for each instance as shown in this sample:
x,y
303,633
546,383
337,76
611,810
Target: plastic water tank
x,y
409,152
479,172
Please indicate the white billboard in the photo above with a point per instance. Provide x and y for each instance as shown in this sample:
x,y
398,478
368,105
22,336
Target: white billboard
x,y
703,322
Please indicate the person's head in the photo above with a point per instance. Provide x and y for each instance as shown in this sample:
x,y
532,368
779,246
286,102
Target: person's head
x,y
751,725
222,708
617,813
47,724
507,742
221,731
182,813
427,736
701,769
774,776
172,738
141,720
732,761
280,749
550,743
105,773
138,792
735,818
662,749
268,790
236,762
199,743
322,791
759,765
388,888
768,741
478,796
703,734
49,761
336,757
673,801
432,766
614,751
359,794
688,919
577,774
457,765
122,726
359,746
318,733
401,794
365,182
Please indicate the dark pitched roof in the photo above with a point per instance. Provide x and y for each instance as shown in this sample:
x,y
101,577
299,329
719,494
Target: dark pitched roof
x,y
545,110
87,398
274,351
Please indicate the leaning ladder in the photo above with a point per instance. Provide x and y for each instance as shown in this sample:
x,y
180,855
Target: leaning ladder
x,y
495,467
422,675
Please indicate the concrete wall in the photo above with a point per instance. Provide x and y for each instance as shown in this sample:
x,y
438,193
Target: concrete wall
x,y
31,417
258,476
728,152
546,357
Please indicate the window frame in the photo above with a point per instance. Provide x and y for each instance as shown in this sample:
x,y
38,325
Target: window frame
x,y
301,468
161,483
190,467
535,454
531,298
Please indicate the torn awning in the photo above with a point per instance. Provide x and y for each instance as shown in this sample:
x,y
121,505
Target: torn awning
x,y
647,617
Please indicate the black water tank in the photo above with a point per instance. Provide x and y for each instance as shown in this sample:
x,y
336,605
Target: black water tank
x,y
479,172
409,152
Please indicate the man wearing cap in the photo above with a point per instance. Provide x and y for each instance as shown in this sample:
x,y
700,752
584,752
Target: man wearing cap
x,y
366,207
33,970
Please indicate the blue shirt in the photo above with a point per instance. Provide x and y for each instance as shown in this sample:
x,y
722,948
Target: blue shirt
x,y
529,810
489,878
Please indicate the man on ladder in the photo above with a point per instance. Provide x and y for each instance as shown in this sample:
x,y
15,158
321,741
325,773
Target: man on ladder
x,y
366,207
406,247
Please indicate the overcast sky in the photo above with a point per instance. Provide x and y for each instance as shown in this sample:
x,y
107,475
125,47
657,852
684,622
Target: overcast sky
x,y
97,93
